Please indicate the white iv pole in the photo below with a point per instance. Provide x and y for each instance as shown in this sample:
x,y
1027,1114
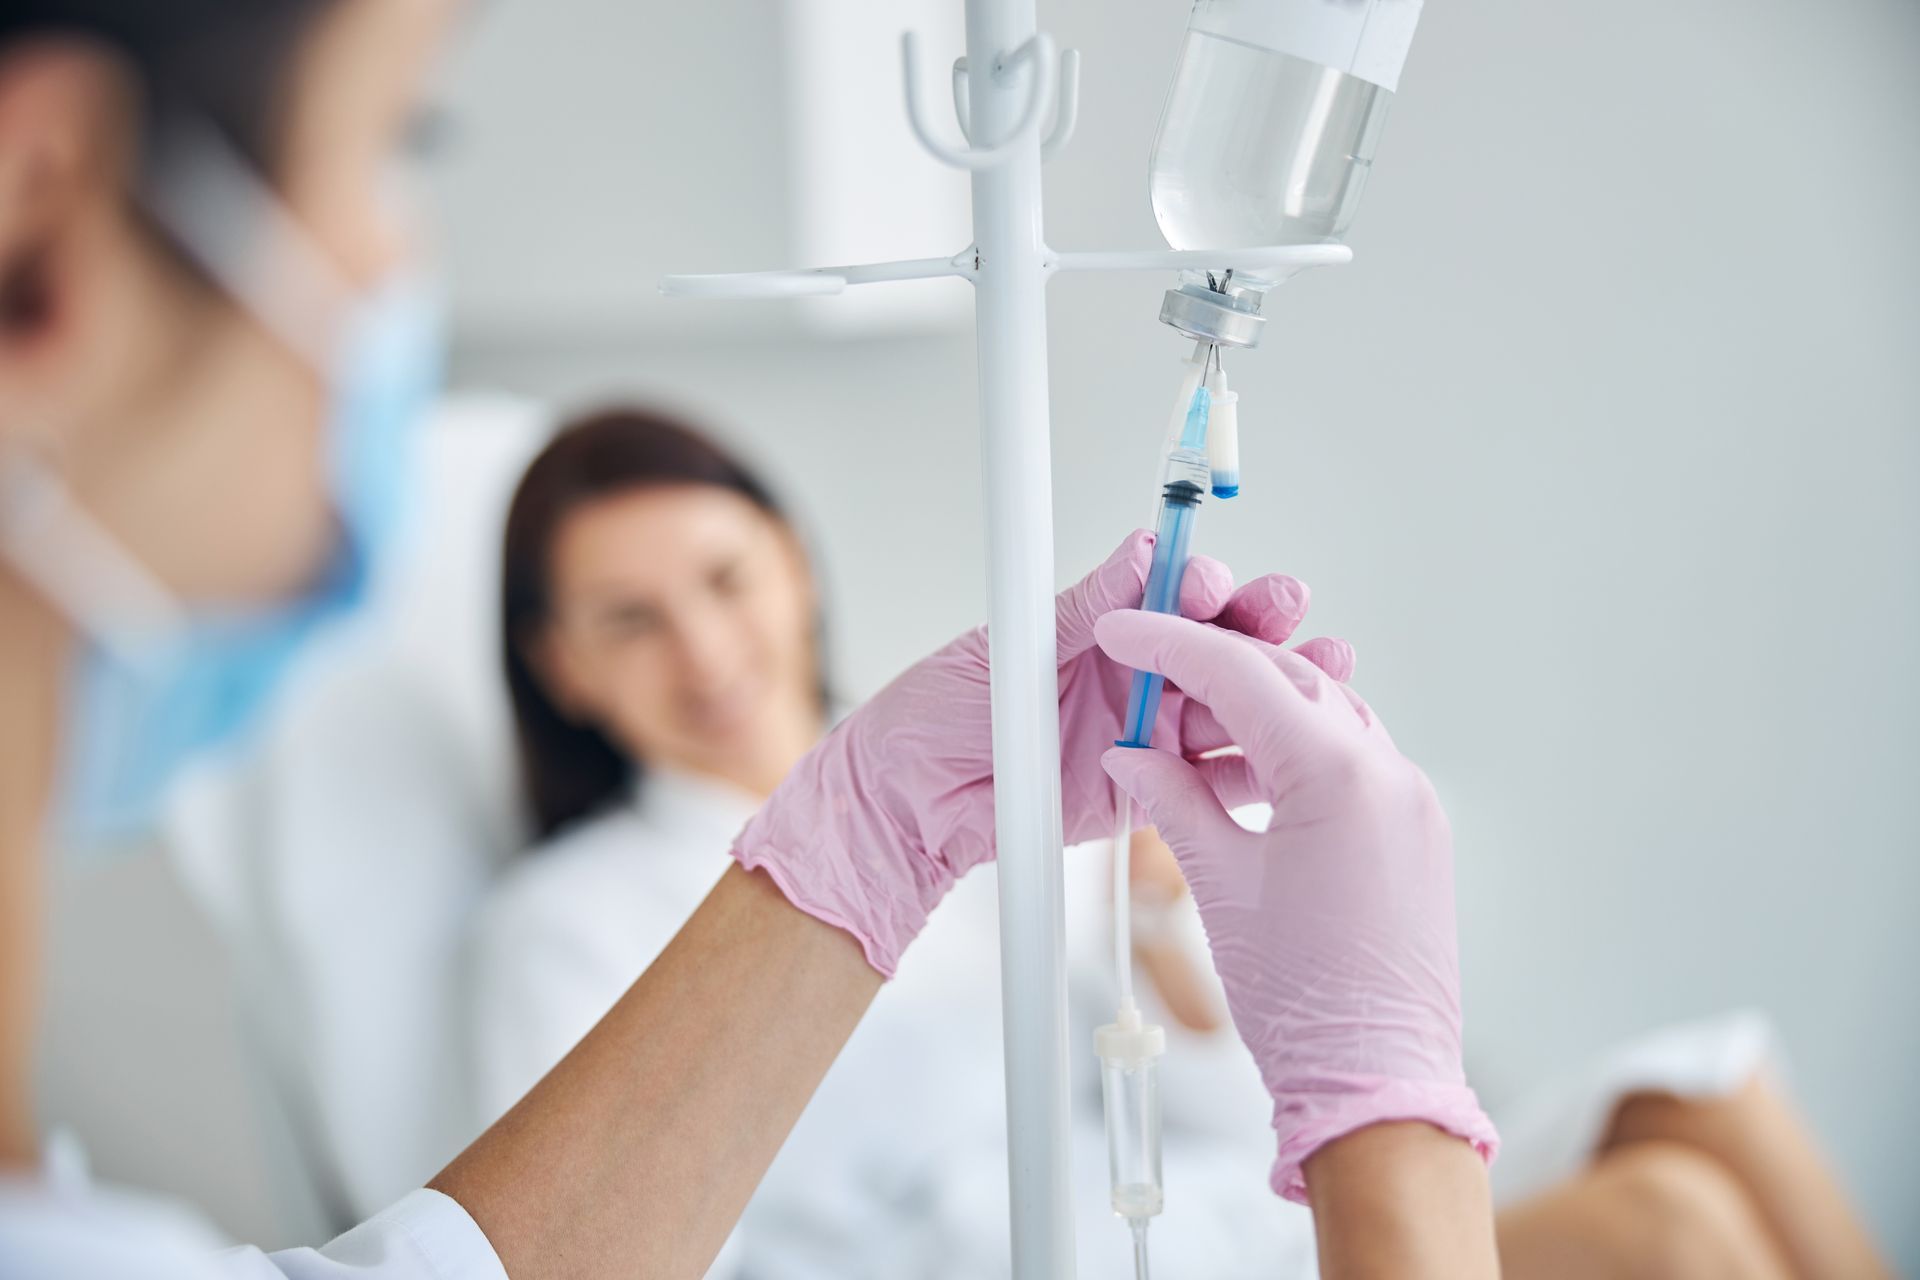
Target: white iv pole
x,y
1002,91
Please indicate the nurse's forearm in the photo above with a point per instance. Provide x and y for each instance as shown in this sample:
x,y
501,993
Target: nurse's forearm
x,y
1401,1200
637,1153
34,649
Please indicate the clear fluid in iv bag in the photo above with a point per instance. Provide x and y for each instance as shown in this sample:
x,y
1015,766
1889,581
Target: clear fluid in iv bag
x,y
1258,147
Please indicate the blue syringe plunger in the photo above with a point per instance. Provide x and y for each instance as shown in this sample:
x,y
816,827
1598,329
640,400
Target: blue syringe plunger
x,y
1180,498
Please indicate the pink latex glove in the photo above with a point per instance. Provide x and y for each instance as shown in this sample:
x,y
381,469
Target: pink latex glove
x,y
1333,930
877,822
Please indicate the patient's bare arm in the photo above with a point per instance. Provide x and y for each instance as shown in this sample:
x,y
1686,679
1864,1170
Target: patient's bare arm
x,y
1684,1187
1180,978
1757,1136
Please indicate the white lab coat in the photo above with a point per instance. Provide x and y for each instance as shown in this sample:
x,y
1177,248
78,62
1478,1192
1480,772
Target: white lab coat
x,y
62,1227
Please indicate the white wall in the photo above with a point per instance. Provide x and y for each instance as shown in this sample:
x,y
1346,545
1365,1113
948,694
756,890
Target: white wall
x,y
1603,453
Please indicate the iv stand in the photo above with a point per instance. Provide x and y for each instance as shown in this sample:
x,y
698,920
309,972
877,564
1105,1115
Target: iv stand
x,y
1002,90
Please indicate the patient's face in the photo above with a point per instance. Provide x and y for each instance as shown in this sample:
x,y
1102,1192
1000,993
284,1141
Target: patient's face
x,y
682,627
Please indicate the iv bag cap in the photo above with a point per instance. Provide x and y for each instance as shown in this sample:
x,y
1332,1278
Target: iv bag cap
x,y
1117,1042
1211,317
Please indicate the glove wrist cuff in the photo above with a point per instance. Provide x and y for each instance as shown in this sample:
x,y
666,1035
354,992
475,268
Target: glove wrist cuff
x,y
1307,1120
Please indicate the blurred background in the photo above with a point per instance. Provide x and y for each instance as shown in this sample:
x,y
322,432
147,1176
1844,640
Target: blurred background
x,y
1603,454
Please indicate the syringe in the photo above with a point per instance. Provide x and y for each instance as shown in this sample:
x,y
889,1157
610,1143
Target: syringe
x,y
1129,1047
1186,477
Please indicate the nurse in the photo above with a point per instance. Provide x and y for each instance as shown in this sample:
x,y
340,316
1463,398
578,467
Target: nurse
x,y
209,344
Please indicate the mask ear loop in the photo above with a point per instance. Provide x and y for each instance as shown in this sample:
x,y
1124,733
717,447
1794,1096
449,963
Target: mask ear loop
x,y
80,569
232,225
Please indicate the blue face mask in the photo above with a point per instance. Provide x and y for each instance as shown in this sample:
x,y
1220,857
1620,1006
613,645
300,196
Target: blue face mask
x,y
144,704
134,723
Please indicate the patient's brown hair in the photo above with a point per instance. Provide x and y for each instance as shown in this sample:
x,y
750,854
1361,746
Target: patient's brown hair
x,y
571,769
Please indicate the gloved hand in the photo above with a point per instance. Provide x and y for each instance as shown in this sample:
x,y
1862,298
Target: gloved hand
x,y
876,823
1332,930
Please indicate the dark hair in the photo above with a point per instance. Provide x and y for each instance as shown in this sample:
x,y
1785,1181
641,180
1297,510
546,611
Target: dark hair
x,y
570,769
225,60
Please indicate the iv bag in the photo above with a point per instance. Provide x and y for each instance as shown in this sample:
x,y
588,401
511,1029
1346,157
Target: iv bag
x,y
1275,112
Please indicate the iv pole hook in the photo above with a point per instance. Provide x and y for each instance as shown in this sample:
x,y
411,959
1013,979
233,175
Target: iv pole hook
x,y
1066,110
1040,88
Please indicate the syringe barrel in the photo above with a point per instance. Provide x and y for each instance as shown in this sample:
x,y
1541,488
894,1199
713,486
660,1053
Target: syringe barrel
x,y
1131,1089
1170,551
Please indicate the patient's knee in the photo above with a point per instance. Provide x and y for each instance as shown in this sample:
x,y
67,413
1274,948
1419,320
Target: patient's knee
x,y
1682,1214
